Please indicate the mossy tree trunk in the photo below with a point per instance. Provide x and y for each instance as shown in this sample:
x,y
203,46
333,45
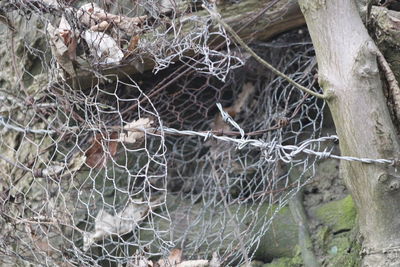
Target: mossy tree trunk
x,y
349,75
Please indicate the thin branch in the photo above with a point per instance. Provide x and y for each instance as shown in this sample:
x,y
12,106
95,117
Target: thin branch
x,y
15,164
258,58
394,89
299,216
5,20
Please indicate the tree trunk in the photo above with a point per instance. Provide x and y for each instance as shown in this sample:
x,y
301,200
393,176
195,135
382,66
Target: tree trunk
x,y
349,75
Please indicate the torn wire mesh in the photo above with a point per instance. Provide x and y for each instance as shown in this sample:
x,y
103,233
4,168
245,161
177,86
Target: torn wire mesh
x,y
90,177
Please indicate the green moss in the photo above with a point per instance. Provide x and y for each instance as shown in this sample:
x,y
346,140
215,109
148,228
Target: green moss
x,y
254,264
322,236
282,237
342,251
338,215
295,261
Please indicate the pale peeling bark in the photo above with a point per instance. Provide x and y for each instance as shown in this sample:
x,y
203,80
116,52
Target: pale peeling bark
x,y
348,73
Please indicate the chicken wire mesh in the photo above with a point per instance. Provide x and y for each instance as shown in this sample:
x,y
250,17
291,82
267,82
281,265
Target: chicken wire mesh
x,y
104,166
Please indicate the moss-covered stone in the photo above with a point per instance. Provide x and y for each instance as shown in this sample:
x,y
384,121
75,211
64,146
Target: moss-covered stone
x,y
338,215
337,244
254,264
322,237
281,239
342,251
295,261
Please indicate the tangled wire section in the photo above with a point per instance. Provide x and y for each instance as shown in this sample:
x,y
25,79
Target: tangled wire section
x,y
99,163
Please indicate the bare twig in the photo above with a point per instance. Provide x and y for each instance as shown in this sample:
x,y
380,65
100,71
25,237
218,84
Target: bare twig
x,y
4,19
394,89
300,217
15,164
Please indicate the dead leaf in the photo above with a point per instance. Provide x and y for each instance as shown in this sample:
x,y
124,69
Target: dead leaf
x,y
135,130
101,27
90,14
175,257
133,43
219,124
71,43
194,263
103,47
64,24
60,50
175,260
122,223
57,169
54,169
215,262
76,162
96,155
113,144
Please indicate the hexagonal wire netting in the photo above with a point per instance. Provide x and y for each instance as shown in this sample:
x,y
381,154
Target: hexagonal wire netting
x,y
102,165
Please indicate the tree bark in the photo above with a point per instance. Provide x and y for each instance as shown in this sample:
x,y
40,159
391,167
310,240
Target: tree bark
x,y
349,75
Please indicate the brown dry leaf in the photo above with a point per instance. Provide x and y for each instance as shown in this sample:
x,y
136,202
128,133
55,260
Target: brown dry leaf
x,y
135,130
175,257
96,157
67,34
242,99
102,26
133,43
60,169
60,50
219,125
113,144
121,223
91,14
71,43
